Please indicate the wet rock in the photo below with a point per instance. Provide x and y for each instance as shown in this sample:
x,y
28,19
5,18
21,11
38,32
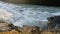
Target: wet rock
x,y
54,22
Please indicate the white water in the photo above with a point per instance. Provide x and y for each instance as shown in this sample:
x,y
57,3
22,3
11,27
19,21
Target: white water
x,y
27,14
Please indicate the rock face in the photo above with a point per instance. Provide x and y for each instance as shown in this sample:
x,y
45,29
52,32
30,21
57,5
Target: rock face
x,y
54,22
38,2
5,26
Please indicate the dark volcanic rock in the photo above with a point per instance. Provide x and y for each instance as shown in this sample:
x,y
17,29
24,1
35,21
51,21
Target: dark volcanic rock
x,y
54,22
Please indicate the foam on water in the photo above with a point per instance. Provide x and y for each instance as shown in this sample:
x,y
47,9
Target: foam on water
x,y
28,14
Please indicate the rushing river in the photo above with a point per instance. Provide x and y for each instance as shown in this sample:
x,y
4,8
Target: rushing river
x,y
27,14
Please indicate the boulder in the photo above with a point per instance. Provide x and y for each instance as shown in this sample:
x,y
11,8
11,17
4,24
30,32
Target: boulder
x,y
54,22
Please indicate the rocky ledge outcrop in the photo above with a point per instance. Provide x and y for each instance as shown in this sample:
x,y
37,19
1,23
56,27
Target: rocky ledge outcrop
x,y
9,28
54,23
6,26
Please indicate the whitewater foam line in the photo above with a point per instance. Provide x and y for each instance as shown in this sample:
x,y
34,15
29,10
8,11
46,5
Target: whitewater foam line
x,y
56,14
28,15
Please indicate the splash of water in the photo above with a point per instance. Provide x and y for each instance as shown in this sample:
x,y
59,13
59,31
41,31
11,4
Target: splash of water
x,y
28,14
